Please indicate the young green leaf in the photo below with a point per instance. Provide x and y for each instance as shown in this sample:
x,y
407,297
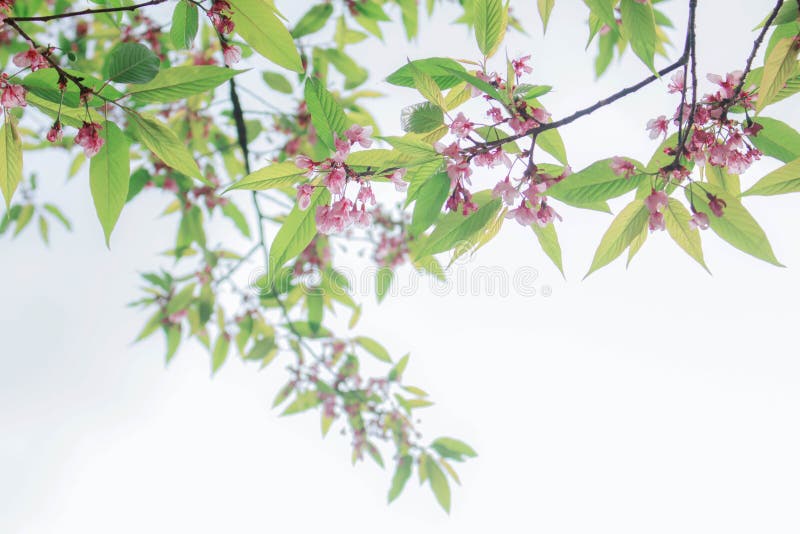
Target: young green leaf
x,y
295,234
778,68
383,282
258,25
421,118
220,353
548,240
326,113
401,475
313,20
597,182
447,235
438,482
109,175
783,180
453,448
545,8
304,401
163,142
428,207
176,83
777,140
10,158
623,230
676,218
275,175
184,25
736,226
439,68
490,19
639,27
277,82
132,63
374,348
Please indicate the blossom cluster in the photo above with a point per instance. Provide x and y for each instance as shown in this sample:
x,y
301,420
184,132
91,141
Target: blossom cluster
x,y
521,116
336,175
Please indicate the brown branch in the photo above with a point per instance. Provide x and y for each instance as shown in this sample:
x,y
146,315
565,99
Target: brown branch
x,y
46,18
756,46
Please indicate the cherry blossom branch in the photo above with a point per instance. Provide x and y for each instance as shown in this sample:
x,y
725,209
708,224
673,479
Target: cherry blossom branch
x,y
46,18
682,61
756,46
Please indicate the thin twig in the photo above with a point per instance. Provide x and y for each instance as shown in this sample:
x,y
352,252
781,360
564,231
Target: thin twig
x,y
756,46
45,18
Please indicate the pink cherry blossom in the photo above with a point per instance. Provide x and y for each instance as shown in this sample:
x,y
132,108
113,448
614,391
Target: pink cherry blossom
x,y
170,185
699,220
718,155
521,65
728,84
522,127
492,158
89,138
304,162
336,217
522,214
231,54
335,181
397,179
342,148
716,204
656,201
30,58
496,114
55,134
658,126
541,114
304,196
656,221
677,83
365,195
457,170
362,217
506,191
545,215
451,151
461,127
359,135
622,167
13,96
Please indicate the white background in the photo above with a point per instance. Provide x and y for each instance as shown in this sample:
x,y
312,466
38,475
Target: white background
x,y
658,399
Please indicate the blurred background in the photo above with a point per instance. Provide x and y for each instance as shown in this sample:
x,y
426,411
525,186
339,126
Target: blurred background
x,y
655,399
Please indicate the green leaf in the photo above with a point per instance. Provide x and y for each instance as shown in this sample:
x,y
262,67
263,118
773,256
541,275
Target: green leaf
x,y
548,240
10,158
458,228
313,20
639,27
453,448
545,8
374,348
676,218
490,18
132,63
604,10
55,212
482,85
438,482
304,401
295,234
258,25
24,218
721,177
597,182
176,83
401,475
788,12
315,308
278,82
184,25
327,115
181,300
397,371
778,68
275,175
428,88
623,230
220,353
383,282
163,142
550,141
736,226
783,180
354,75
777,140
439,68
430,199
109,176
421,118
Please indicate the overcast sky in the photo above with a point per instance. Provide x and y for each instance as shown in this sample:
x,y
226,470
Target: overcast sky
x,y
658,399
